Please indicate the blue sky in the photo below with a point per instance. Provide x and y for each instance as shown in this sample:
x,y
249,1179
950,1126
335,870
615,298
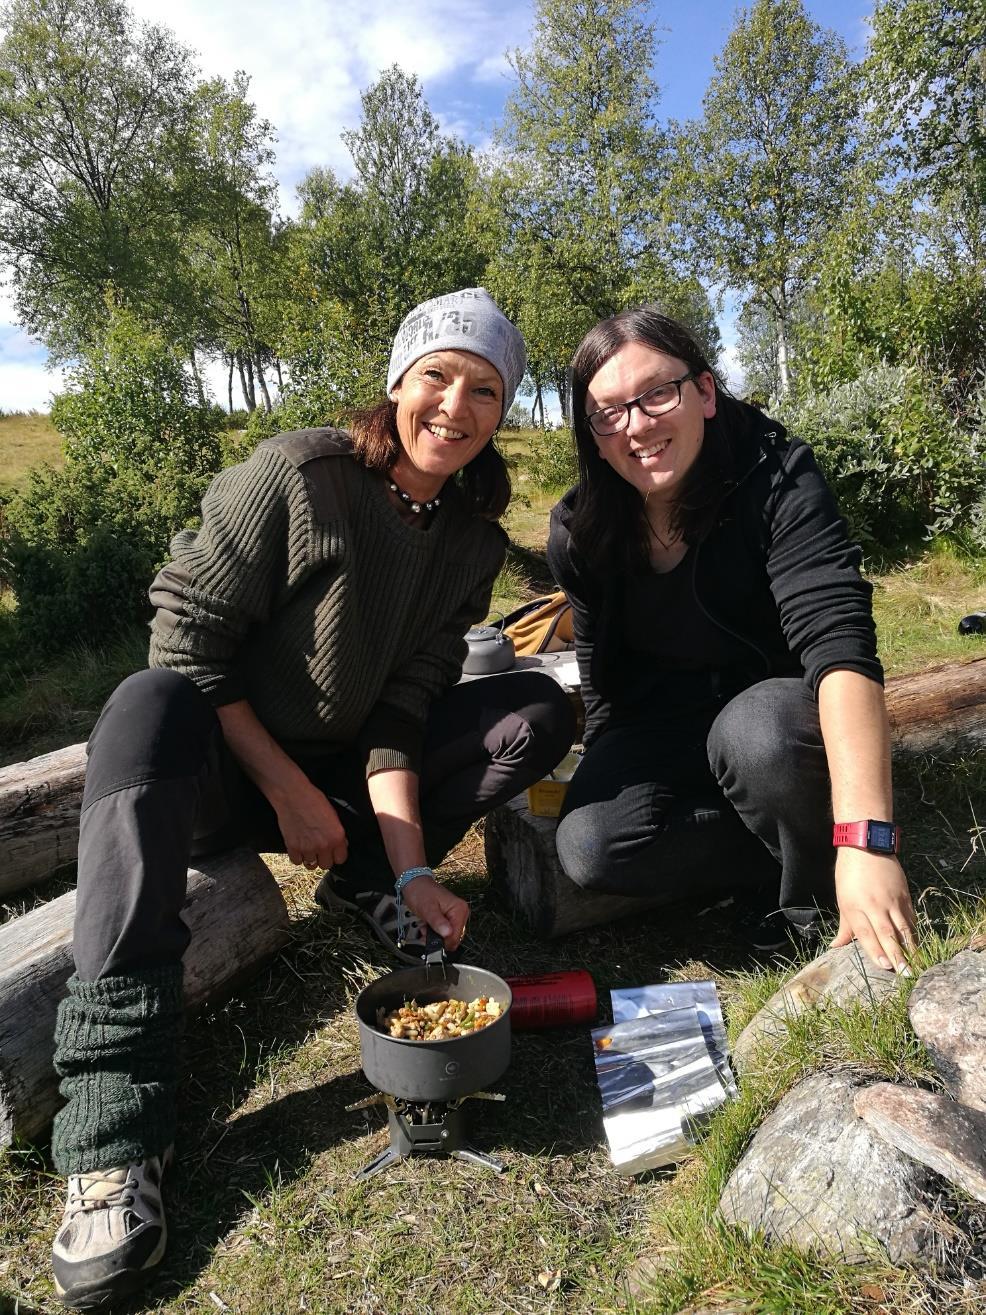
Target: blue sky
x,y
308,66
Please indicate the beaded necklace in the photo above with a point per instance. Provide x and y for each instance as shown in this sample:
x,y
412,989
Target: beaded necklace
x,y
413,503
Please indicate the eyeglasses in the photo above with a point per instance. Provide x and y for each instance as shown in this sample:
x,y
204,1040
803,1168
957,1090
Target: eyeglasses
x,y
655,402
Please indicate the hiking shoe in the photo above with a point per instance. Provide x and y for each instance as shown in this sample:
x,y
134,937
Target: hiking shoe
x,y
378,909
774,932
112,1234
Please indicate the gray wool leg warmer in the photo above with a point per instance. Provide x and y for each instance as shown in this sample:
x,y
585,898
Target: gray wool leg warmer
x,y
116,1051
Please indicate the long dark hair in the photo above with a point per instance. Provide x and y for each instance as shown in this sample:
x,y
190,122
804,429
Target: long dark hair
x,y
484,481
609,523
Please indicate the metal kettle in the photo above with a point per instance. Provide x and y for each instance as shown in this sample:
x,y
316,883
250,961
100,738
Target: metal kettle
x,y
489,650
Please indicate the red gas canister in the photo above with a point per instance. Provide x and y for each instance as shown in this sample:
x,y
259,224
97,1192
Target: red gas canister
x,y
552,999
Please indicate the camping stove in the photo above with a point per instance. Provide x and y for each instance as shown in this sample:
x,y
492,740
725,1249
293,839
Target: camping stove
x,y
424,1084
431,1127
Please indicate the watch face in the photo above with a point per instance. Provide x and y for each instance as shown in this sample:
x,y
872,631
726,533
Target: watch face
x,y
881,837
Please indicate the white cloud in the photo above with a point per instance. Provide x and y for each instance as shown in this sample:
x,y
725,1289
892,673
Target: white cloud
x,y
493,68
27,387
308,62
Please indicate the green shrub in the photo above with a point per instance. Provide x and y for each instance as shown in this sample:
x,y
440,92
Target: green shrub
x,y
902,466
551,460
81,543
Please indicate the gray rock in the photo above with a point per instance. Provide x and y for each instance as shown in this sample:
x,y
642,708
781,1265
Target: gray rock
x,y
843,975
947,1137
948,1013
819,1178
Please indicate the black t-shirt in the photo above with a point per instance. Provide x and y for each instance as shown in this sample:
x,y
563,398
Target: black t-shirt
x,y
678,659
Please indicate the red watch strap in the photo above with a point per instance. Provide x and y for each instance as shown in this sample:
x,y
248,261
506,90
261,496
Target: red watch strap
x,y
850,833
868,834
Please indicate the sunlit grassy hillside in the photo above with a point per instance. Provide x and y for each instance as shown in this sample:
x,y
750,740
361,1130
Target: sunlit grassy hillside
x,y
26,440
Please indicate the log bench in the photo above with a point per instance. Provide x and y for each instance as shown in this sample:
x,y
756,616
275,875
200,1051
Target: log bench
x,y
237,917
941,710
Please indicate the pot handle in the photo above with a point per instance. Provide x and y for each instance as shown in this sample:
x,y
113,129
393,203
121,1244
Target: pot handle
x,y
434,954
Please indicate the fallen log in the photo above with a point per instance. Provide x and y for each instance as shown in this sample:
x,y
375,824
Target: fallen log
x,y
941,710
39,816
237,917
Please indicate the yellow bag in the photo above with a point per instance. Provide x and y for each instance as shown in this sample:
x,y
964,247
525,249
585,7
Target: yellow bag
x,y
543,625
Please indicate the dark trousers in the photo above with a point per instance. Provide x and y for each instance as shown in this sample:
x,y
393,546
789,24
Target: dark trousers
x,y
729,798
161,788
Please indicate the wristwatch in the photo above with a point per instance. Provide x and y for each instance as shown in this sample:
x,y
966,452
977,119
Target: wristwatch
x,y
881,837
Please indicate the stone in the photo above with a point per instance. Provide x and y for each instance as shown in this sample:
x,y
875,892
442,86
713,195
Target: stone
x,y
948,1013
843,975
817,1177
932,1129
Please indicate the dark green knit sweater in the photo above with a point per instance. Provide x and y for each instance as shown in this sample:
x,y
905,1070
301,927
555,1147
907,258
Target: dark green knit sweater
x,y
305,593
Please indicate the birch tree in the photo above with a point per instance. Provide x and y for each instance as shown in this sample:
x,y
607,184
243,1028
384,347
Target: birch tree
x,y
768,170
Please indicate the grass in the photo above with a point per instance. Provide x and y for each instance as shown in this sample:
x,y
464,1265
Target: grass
x,y
266,1213
26,440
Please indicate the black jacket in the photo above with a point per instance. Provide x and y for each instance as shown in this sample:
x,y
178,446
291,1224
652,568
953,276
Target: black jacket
x,y
777,570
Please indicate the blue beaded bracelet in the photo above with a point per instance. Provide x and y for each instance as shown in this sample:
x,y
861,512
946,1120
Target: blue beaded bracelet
x,y
409,875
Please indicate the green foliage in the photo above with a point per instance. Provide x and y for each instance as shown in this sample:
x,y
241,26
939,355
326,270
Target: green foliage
x,y
237,253
899,462
927,71
81,543
896,283
362,255
765,177
94,127
551,462
571,214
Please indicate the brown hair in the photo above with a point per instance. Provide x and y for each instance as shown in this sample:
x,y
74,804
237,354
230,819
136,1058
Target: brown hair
x,y
609,522
484,480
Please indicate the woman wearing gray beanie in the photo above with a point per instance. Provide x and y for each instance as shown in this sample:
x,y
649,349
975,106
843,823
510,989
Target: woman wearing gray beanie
x,y
301,697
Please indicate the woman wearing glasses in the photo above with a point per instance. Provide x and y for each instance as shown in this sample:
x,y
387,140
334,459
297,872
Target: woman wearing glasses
x,y
734,702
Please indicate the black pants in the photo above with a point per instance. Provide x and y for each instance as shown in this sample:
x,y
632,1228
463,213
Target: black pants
x,y
708,803
161,788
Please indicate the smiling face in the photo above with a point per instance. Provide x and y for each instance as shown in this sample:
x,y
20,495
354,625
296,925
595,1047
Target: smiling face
x,y
448,408
653,453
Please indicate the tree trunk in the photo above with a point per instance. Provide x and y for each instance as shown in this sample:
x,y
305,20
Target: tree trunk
x,y
229,383
251,383
538,404
280,377
564,391
783,365
245,386
237,918
262,381
199,385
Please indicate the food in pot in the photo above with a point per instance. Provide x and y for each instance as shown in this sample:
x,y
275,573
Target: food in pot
x,y
438,1021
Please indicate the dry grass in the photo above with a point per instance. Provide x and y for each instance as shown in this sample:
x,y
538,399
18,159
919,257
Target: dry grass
x,y
26,440
918,607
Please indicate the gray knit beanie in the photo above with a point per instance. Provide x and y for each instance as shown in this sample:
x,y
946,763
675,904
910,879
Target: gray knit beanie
x,y
466,321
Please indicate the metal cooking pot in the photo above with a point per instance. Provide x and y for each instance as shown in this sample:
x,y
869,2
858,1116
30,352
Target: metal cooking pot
x,y
433,1070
